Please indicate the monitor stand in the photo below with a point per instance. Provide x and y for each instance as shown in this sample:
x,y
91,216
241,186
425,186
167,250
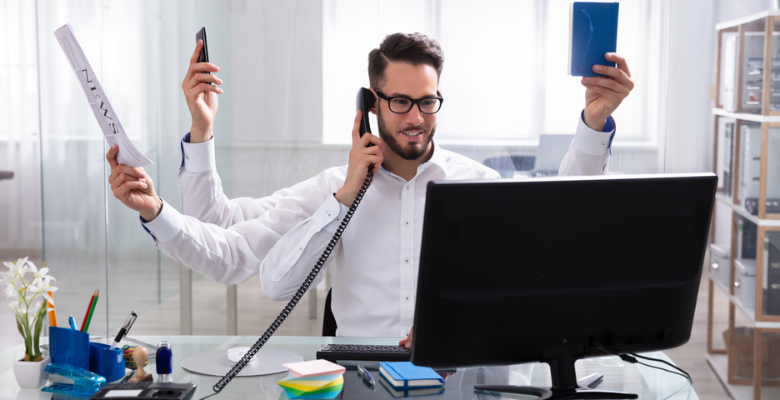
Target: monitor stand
x,y
565,385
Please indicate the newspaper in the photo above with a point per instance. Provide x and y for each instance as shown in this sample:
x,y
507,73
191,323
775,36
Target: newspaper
x,y
104,113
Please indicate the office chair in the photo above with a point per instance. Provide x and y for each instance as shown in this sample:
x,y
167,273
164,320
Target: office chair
x,y
328,321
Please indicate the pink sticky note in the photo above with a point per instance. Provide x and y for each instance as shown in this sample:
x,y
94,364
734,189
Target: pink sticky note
x,y
314,368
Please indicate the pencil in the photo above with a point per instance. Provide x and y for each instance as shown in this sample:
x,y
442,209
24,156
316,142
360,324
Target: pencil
x,y
86,315
92,310
52,313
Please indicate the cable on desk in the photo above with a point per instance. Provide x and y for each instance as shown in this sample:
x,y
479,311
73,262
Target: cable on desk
x,y
298,295
632,358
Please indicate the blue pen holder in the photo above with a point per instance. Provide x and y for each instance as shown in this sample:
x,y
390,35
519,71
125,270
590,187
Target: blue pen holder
x,y
106,362
69,346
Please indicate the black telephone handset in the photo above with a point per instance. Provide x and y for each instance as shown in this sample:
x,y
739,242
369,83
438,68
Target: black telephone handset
x,y
365,102
204,52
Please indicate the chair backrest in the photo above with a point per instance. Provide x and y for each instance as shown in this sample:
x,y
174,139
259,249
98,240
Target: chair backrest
x,y
328,321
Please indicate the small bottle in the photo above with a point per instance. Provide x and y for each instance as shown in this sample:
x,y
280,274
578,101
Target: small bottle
x,y
164,362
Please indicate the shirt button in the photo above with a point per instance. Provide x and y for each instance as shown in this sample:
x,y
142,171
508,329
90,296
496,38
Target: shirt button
x,y
300,248
406,260
406,223
408,187
187,158
407,298
329,214
603,144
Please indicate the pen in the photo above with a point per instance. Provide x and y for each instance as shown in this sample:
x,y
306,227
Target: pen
x,y
72,322
363,372
125,328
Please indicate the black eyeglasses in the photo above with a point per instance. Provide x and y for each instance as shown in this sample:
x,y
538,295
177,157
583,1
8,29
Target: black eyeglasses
x,y
401,104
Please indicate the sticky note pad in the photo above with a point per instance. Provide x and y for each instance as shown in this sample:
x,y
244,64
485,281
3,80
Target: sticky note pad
x,y
314,368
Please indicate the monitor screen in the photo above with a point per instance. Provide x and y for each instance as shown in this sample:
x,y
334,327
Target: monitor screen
x,y
515,271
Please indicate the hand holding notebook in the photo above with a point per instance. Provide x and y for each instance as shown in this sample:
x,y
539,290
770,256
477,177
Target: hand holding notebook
x,y
592,45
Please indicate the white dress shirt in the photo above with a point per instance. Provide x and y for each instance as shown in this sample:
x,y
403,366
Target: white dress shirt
x,y
282,236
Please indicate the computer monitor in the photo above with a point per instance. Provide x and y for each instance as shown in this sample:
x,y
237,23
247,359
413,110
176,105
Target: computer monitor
x,y
515,271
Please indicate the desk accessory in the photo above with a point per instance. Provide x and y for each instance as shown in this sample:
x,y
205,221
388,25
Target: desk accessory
x,y
405,375
235,355
90,310
125,329
146,390
85,382
106,361
592,34
140,359
216,363
69,346
363,372
313,379
164,362
72,323
409,392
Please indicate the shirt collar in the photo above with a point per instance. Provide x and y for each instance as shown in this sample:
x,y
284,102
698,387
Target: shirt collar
x,y
438,159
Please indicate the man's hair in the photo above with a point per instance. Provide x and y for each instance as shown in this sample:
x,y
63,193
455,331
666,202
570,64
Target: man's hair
x,y
414,48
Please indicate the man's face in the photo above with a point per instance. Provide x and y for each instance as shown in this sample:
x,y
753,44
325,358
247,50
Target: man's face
x,y
409,135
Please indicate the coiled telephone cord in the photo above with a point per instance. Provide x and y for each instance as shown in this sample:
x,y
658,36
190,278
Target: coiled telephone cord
x,y
298,295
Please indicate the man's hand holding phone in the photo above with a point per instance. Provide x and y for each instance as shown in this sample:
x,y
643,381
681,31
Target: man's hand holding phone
x,y
201,96
133,187
361,159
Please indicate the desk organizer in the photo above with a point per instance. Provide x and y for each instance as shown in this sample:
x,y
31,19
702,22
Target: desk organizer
x,y
69,346
106,362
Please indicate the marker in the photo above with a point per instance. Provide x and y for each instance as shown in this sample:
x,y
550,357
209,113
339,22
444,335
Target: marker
x,y
363,372
72,323
125,328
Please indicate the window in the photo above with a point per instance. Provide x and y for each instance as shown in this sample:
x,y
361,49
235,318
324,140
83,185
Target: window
x,y
514,49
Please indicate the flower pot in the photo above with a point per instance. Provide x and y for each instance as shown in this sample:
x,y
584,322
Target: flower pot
x,y
31,374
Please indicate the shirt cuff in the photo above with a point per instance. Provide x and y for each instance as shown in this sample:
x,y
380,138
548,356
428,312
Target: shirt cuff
x,y
334,225
593,142
197,157
167,224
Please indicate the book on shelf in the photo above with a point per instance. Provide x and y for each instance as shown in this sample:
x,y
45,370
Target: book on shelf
x,y
747,235
772,205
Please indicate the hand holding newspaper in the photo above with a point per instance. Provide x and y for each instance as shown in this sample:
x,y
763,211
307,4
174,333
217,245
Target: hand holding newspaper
x,y
104,113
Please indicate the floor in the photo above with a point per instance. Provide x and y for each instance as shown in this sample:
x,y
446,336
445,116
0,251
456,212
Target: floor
x,y
256,311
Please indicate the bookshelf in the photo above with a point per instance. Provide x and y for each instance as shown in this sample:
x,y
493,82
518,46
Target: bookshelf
x,y
747,160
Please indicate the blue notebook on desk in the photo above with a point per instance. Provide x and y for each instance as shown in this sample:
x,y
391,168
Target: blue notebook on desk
x,y
592,34
405,375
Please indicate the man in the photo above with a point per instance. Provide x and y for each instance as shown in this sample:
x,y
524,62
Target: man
x,y
282,236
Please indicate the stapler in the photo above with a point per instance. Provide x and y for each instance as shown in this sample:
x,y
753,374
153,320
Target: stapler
x,y
85,382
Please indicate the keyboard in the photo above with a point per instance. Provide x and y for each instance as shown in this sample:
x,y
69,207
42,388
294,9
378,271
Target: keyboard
x,y
364,352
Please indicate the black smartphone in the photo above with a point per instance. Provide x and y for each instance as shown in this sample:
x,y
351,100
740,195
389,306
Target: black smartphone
x,y
364,102
204,52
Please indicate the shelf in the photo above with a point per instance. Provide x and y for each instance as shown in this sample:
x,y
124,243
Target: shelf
x,y
720,365
749,312
743,212
746,116
750,18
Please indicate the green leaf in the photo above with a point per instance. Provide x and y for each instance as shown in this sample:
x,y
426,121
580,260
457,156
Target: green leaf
x,y
19,326
37,334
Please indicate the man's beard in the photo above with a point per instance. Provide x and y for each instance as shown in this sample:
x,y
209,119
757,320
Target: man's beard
x,y
409,153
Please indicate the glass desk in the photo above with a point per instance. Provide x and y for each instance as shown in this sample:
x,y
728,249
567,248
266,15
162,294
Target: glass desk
x,y
647,382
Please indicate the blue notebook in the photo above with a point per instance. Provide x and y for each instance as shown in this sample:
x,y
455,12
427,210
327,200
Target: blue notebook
x,y
405,375
592,34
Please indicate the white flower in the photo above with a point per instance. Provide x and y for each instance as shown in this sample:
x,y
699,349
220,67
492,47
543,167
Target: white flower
x,y
15,267
10,291
41,286
14,305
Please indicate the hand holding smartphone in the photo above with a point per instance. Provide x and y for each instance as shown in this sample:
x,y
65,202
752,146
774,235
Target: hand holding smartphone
x,y
204,52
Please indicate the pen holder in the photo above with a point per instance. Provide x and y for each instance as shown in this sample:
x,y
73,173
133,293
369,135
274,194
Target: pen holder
x,y
106,362
69,346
